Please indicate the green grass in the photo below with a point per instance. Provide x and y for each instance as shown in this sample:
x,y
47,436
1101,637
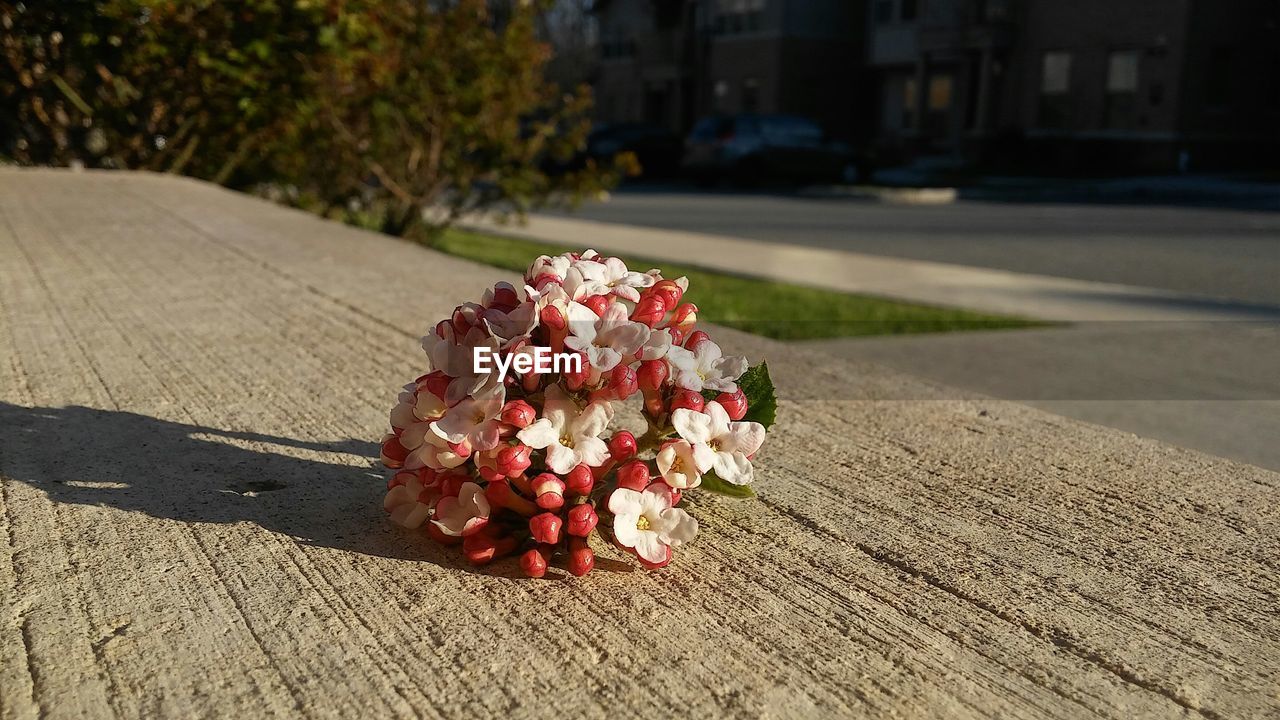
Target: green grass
x,y
763,307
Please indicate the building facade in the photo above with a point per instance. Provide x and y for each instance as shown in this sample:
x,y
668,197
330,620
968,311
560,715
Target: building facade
x,y
670,62
1084,86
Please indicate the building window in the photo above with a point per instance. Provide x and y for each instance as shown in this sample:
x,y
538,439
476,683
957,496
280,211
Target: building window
x,y
1122,89
1122,71
1055,88
939,93
884,12
734,17
1055,78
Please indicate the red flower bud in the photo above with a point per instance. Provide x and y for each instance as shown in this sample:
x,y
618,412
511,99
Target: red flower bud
x,y
623,382
634,475
438,535
676,495
734,403
482,549
534,562
545,527
652,374
505,297
582,520
552,317
622,446
514,460
685,316
696,338
669,291
598,304
393,453
649,311
574,380
579,481
501,495
550,491
687,399
518,413
581,558
436,383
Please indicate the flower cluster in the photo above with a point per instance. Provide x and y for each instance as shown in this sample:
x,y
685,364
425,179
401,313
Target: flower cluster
x,y
534,462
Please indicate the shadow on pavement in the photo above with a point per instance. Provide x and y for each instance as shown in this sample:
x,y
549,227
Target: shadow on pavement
x,y
190,473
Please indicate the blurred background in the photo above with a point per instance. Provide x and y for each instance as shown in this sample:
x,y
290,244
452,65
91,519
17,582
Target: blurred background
x,y
1072,205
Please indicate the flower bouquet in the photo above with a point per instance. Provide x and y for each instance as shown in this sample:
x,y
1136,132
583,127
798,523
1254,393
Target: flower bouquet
x,y
513,439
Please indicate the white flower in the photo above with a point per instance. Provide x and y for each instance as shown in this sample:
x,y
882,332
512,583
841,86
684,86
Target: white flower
x,y
646,522
704,368
435,453
731,443
570,436
408,501
455,357
607,339
656,347
555,267
474,421
465,514
587,278
681,463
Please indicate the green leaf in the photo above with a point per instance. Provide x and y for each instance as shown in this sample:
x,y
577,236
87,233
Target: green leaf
x,y
762,402
713,483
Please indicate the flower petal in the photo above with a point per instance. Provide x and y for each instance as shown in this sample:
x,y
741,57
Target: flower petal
x,y
540,434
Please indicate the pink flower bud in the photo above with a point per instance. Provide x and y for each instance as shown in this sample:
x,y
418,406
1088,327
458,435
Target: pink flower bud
x,y
513,460
579,481
696,338
623,382
685,316
545,528
622,446
634,475
677,336
687,399
649,311
734,403
518,413
669,291
598,304
393,453
550,491
581,558
676,495
652,374
534,562
582,520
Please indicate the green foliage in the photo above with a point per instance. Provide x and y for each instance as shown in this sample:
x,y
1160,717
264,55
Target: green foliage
x,y
403,105
712,483
762,401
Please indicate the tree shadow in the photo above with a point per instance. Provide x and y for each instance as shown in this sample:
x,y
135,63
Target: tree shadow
x,y
191,473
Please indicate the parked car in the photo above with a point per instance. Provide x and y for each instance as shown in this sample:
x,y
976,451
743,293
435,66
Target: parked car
x,y
753,148
656,148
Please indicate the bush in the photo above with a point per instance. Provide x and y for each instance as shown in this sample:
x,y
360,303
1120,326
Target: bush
x,y
405,105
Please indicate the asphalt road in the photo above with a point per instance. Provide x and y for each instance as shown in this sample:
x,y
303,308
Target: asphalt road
x,y
1231,254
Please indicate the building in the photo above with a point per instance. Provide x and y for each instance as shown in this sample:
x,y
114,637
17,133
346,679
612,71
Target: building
x,y
670,62
1084,86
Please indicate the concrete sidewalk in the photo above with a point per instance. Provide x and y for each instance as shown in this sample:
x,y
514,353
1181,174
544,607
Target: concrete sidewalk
x,y
996,291
1208,386
192,383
